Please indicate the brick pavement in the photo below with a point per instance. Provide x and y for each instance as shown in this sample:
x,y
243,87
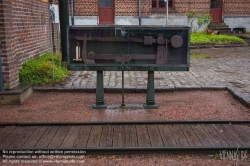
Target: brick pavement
x,y
228,67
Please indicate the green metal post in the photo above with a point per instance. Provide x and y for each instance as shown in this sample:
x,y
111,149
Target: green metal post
x,y
123,104
64,24
100,104
150,101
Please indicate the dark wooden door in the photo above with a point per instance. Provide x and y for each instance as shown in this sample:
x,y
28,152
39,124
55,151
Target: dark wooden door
x,y
216,10
106,11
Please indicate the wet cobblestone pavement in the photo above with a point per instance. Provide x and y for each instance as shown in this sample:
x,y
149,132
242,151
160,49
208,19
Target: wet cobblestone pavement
x,y
227,67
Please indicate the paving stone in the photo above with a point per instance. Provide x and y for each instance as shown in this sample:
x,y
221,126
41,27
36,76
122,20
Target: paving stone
x,y
227,67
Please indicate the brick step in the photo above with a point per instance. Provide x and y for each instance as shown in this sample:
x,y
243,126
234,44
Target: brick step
x,y
221,28
217,24
225,32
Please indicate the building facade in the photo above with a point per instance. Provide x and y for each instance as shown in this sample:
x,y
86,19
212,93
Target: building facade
x,y
153,12
24,34
25,26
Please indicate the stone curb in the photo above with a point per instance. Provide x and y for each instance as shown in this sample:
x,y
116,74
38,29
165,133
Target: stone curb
x,y
65,89
217,46
214,87
143,89
239,96
184,88
118,89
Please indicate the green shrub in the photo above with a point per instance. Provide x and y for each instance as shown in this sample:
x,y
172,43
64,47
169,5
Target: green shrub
x,y
204,38
199,38
39,70
202,19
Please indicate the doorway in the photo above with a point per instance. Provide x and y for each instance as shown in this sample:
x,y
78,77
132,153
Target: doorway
x,y
106,11
216,10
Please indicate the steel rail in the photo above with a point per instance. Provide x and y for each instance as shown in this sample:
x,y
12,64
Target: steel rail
x,y
86,150
125,123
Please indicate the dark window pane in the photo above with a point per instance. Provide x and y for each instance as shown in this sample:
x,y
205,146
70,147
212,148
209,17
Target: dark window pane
x,y
212,5
108,3
154,3
217,5
161,4
170,3
102,3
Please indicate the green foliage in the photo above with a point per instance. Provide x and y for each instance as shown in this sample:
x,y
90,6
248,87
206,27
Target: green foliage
x,y
199,56
203,38
199,38
39,70
248,36
217,156
202,19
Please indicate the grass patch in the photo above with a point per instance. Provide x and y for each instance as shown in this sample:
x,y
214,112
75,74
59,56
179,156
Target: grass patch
x,y
248,36
203,38
200,56
39,70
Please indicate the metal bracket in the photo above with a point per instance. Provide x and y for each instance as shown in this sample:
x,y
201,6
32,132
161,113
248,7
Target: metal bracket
x,y
78,52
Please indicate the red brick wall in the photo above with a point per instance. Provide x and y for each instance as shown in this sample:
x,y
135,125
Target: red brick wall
x,y
236,8
122,7
183,6
24,34
86,7
130,7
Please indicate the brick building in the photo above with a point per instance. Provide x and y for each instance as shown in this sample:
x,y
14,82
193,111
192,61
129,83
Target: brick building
x,y
25,30
153,12
24,34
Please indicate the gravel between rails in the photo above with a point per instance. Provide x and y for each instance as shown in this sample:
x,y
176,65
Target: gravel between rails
x,y
185,105
77,107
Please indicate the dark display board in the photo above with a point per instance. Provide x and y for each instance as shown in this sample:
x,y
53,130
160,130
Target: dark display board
x,y
129,48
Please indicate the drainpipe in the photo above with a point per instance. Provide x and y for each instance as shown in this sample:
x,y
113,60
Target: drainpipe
x,y
72,12
1,74
166,4
139,8
64,24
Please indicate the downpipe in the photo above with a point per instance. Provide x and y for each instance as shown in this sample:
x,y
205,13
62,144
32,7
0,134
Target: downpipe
x,y
1,70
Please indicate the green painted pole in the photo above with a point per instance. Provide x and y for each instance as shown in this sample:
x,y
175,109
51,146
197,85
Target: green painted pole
x,y
150,101
100,104
64,25
123,104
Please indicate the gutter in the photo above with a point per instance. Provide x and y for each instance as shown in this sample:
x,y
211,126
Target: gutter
x,y
139,11
72,12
